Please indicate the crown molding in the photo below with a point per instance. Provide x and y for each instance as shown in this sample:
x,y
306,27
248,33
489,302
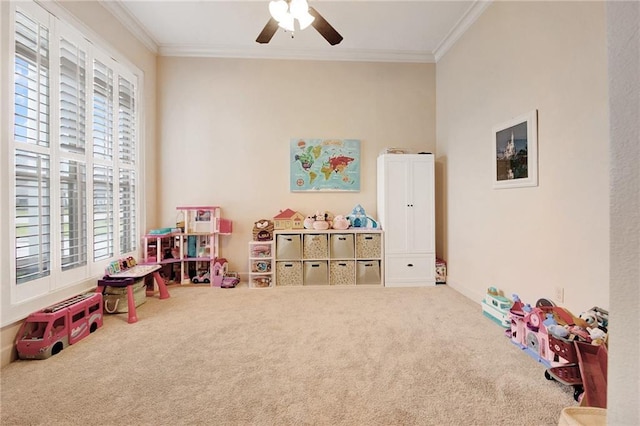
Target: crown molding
x,y
470,16
269,52
122,14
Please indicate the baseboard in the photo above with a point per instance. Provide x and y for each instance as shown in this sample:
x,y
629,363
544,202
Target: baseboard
x,y
465,291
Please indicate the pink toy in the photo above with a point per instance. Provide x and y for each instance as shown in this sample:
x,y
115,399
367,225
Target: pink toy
x,y
50,330
529,331
221,277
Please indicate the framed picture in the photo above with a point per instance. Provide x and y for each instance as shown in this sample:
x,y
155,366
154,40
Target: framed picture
x,y
515,152
324,165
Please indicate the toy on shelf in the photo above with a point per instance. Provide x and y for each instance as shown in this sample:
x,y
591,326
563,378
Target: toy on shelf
x,y
496,307
340,222
308,222
322,221
288,219
50,330
263,230
359,218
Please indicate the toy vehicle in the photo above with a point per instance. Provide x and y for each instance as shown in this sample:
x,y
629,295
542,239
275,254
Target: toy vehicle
x,y
50,330
202,277
496,307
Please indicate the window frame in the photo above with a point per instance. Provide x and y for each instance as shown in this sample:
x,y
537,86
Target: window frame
x,y
18,300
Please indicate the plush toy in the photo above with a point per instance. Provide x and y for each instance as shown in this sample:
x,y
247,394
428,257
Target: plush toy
x,y
308,222
263,230
321,222
340,222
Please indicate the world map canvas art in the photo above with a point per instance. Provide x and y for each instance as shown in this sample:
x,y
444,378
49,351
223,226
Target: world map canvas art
x,y
324,165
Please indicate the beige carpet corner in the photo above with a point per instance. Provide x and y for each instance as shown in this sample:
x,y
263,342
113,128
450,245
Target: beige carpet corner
x,y
285,356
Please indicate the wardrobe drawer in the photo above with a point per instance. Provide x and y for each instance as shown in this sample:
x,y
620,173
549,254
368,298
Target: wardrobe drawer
x,y
418,269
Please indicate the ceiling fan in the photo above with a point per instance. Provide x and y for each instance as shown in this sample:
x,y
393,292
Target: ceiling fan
x,y
283,13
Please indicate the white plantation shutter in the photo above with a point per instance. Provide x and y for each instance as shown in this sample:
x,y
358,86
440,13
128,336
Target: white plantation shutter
x,y
102,111
72,143
31,124
128,230
126,122
102,213
73,214
127,159
33,216
73,97
73,160
31,156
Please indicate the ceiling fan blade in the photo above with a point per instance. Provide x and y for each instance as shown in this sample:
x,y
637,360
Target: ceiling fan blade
x,y
268,31
324,28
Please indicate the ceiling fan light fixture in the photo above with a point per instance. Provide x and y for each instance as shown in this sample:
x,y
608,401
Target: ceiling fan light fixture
x,y
287,22
278,9
305,20
298,8
284,14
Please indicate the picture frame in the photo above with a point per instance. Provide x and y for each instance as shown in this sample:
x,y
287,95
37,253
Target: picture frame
x,y
515,152
324,165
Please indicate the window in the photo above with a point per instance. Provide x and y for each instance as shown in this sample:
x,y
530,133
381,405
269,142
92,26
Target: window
x,y
73,156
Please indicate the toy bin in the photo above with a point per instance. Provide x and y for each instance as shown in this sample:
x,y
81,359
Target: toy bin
x,y
288,246
288,273
316,273
368,246
115,298
342,246
367,272
315,246
342,272
260,281
261,265
260,249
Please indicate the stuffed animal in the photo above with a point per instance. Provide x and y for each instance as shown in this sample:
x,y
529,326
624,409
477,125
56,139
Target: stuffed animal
x,y
263,230
340,222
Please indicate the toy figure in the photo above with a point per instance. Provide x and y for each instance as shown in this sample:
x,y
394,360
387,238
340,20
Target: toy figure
x,y
340,222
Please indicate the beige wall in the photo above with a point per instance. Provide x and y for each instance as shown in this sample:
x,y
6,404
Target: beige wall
x,y
517,57
91,17
225,125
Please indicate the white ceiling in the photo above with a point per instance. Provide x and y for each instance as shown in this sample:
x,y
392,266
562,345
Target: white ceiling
x,y
397,31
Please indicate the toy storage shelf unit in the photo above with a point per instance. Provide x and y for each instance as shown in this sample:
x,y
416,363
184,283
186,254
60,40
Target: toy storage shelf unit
x,y
331,257
261,265
190,250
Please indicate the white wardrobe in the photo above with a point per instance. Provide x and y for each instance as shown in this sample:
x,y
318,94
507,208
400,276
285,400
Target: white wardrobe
x,y
406,212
